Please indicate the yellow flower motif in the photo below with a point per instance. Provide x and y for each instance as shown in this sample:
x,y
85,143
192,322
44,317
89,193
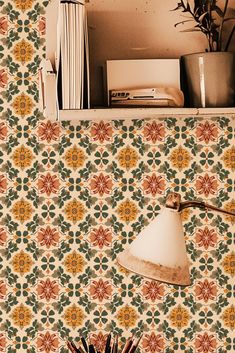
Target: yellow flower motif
x,y
230,207
22,211
185,214
229,317
22,262
22,157
124,270
179,317
23,51
23,105
21,316
74,263
180,158
229,264
74,211
74,316
128,158
127,317
229,158
127,211
75,157
23,4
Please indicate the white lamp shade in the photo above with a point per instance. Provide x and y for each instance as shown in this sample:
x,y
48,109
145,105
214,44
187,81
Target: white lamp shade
x,y
159,251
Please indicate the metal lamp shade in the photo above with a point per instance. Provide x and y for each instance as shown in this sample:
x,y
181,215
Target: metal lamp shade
x,y
159,251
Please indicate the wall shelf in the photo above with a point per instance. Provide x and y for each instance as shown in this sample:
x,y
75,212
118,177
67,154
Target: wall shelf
x,y
140,113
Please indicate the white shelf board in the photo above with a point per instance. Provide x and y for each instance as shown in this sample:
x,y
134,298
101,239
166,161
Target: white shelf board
x,y
139,113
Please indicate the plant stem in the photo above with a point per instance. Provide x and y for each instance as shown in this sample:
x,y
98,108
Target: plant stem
x,y
221,26
229,39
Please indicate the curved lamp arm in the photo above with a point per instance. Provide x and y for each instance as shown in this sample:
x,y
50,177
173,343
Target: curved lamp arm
x,y
173,201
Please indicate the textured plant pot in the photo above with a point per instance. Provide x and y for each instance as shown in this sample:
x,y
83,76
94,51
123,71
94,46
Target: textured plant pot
x,y
209,79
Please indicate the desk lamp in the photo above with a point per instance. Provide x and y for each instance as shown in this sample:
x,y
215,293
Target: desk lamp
x,y
159,251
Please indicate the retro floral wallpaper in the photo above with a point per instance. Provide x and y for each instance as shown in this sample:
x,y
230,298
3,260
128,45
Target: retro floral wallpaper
x,y
73,195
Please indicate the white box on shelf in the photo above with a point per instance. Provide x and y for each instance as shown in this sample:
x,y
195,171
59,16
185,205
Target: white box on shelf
x,y
143,73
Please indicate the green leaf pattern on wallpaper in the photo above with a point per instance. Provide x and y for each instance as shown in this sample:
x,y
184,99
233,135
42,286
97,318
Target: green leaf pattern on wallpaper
x,y
72,196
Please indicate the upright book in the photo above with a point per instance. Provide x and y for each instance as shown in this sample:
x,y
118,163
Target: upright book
x,y
72,56
64,74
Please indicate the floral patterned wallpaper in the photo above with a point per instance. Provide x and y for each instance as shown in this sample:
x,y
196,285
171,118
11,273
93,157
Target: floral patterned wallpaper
x,y
73,195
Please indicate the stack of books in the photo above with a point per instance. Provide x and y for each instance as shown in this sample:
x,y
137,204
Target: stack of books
x,y
65,83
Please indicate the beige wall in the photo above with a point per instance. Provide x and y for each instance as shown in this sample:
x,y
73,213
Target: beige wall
x,y
136,29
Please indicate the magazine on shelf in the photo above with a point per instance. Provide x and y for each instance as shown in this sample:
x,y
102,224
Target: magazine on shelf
x,y
48,89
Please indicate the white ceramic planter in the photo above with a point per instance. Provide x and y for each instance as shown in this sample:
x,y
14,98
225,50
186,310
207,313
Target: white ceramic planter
x,y
209,79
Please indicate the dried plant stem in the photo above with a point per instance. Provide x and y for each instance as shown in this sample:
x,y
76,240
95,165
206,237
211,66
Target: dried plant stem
x,y
229,39
219,45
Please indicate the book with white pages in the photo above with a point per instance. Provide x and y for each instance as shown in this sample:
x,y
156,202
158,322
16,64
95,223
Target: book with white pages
x,y
72,53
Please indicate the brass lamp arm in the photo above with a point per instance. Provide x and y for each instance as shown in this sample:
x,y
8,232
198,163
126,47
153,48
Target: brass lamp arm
x,y
203,206
173,201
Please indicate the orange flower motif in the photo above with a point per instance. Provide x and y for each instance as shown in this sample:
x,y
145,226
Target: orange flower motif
x,y
3,78
3,25
3,290
100,290
153,343
74,316
22,262
74,211
42,26
206,237
22,211
229,264
205,290
180,158
99,341
3,184
205,343
206,185
228,317
48,184
127,317
101,237
74,263
207,132
47,343
128,158
49,131
101,184
2,342
179,317
3,131
48,236
154,184
101,131
23,51
21,316
48,289
127,211
3,236
154,132
153,290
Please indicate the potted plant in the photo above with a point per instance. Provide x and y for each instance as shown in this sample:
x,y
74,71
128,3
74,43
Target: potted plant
x,y
210,76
